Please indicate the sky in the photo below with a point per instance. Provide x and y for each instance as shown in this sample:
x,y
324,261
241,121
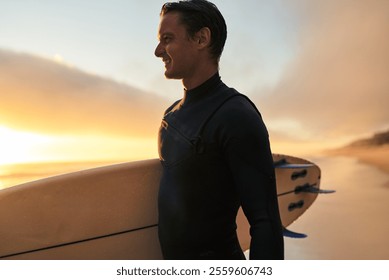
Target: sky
x,y
79,79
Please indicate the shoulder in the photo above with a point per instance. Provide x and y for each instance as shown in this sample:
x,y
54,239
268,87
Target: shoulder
x,y
238,119
237,109
173,106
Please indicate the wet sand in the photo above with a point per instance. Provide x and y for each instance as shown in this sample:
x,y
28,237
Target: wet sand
x,y
376,156
352,223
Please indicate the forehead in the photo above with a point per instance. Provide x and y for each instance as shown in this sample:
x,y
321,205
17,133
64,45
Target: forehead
x,y
170,24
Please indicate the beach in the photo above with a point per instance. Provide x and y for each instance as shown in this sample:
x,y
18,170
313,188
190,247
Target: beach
x,y
377,156
352,223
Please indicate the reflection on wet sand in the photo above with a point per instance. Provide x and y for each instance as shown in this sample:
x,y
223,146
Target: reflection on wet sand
x,y
350,224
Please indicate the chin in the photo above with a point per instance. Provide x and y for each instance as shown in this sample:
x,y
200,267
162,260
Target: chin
x,y
169,75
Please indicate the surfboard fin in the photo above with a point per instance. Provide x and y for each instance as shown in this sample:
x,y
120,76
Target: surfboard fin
x,y
293,234
312,189
292,165
327,191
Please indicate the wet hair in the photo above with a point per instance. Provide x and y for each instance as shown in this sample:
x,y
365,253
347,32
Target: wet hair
x,y
197,14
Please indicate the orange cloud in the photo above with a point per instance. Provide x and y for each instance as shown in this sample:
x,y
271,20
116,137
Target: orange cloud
x,y
47,97
338,83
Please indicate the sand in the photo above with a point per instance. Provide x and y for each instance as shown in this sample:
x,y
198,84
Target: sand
x,y
375,156
350,224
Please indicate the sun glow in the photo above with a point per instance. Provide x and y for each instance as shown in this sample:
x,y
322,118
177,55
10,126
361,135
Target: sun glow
x,y
17,146
26,147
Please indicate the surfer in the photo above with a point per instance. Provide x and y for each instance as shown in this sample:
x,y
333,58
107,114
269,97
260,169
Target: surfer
x,y
213,147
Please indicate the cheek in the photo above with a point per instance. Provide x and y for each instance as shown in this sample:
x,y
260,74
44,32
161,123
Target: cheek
x,y
182,54
177,57
171,50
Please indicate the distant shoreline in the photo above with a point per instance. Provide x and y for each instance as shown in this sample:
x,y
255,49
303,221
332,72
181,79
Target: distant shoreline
x,y
377,156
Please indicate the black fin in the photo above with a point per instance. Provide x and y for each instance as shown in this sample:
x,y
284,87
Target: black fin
x,y
292,234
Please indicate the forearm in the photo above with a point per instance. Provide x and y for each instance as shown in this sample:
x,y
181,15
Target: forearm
x,y
266,242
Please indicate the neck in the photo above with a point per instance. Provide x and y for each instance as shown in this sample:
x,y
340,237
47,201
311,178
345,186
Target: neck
x,y
200,78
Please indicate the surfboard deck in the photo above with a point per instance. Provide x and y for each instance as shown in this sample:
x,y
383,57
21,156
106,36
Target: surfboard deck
x,y
111,212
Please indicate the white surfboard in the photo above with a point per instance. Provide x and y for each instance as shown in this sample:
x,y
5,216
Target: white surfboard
x,y
111,212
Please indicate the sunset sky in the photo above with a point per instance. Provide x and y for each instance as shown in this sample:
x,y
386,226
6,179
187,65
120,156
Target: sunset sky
x,y
79,80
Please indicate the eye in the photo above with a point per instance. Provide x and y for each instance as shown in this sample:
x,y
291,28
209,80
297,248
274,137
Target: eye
x,y
166,39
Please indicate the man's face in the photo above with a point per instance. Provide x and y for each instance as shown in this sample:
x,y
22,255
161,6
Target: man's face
x,y
176,49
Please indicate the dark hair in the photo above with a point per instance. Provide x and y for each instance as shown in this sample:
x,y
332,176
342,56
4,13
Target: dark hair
x,y
196,14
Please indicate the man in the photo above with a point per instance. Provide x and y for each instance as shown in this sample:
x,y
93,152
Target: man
x,y
213,146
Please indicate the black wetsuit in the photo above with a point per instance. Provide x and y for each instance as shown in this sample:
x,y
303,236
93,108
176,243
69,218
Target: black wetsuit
x,y
215,154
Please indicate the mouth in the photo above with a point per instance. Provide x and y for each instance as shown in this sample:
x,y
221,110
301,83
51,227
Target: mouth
x,y
167,61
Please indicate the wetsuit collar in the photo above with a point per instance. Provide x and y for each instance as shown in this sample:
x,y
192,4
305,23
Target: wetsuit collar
x,y
202,90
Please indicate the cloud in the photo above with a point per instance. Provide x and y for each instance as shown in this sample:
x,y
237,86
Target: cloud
x,y
48,97
338,83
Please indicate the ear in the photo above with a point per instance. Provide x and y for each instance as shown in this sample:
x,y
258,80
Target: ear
x,y
203,37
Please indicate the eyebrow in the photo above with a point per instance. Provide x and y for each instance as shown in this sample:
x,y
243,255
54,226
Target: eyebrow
x,y
159,36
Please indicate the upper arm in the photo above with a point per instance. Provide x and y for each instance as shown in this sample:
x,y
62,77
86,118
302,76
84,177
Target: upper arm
x,y
246,148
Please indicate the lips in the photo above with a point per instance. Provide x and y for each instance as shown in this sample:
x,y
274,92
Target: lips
x,y
166,60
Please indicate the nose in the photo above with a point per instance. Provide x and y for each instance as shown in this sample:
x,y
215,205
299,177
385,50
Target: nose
x,y
159,50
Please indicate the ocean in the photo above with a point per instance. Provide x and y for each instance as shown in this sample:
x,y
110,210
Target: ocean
x,y
349,224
